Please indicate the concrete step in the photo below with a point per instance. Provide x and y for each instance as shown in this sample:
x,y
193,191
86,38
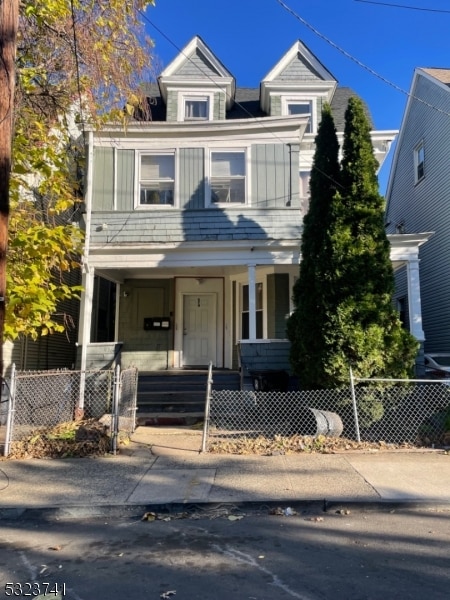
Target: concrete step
x,y
178,397
158,419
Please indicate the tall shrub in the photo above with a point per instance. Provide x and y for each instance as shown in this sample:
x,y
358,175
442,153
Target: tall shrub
x,y
347,276
308,325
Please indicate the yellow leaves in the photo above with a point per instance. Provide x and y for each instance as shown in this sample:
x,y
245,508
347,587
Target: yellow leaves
x,y
39,255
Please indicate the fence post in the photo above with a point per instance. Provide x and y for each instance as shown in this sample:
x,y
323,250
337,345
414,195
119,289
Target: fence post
x,y
11,409
79,409
355,408
207,407
115,410
135,391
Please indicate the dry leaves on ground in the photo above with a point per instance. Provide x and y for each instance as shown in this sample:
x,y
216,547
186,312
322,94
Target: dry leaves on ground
x,y
69,439
279,445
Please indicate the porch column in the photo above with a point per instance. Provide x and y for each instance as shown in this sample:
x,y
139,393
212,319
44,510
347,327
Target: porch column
x,y
251,302
414,302
84,336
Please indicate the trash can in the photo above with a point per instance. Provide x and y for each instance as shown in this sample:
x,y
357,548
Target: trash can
x,y
270,380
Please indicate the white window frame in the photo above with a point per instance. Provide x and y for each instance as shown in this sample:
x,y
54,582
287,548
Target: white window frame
x,y
305,176
241,281
286,101
217,150
419,162
262,310
138,180
184,97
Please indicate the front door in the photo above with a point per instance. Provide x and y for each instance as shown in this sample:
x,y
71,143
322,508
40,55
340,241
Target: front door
x,y
199,329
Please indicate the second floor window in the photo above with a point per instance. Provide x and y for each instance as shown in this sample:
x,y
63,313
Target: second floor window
x,y
227,177
157,179
419,162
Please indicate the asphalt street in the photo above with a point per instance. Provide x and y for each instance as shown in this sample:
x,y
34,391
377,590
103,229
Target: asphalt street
x,y
223,553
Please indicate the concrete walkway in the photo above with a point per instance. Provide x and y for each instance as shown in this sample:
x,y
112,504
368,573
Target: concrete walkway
x,y
164,468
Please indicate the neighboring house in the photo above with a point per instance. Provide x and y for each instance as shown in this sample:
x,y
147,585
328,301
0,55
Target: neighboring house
x,y
55,351
418,198
194,218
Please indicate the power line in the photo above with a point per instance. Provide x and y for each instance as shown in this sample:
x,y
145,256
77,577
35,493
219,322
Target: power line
x,y
421,8
243,108
358,62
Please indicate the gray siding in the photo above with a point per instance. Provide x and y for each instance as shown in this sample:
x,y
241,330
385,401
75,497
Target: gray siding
x,y
257,356
274,172
192,176
278,293
426,206
103,179
275,106
275,175
160,226
219,110
298,70
101,356
172,106
196,67
148,350
125,179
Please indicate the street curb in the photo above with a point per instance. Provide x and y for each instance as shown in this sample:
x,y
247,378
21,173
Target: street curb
x,y
137,511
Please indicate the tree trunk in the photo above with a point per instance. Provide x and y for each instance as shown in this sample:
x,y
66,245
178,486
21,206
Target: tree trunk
x,y
9,15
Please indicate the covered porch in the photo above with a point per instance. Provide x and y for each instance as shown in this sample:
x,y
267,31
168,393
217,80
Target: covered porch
x,y
192,303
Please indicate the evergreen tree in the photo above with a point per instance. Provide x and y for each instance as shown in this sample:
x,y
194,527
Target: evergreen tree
x,y
353,321
309,322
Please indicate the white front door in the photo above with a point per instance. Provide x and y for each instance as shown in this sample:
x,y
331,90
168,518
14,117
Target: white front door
x,y
199,329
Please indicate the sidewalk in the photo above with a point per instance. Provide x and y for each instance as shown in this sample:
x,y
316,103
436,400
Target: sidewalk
x,y
164,467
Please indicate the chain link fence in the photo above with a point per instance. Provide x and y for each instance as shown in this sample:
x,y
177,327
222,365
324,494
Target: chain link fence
x,y
396,412
70,410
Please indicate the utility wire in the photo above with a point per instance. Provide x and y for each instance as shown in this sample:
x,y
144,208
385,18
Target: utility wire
x,y
206,74
436,10
358,62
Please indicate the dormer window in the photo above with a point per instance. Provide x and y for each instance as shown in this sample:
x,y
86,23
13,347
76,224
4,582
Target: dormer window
x,y
196,109
303,107
195,106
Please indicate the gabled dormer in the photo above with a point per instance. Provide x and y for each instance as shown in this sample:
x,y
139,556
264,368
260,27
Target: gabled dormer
x,y
196,86
297,85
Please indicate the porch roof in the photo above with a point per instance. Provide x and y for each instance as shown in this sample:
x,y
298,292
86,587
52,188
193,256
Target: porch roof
x,y
217,257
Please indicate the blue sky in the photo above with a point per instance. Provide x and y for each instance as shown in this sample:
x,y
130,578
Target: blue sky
x,y
250,36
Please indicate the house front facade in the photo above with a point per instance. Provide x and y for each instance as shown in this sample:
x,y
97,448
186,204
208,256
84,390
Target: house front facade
x,y
194,216
418,198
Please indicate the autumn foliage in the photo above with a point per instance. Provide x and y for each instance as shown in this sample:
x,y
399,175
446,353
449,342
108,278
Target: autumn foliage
x,y
77,62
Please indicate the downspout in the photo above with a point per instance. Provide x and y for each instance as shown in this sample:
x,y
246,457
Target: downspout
x,y
289,201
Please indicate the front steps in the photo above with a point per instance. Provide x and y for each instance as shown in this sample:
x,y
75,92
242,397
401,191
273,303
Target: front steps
x,y
177,397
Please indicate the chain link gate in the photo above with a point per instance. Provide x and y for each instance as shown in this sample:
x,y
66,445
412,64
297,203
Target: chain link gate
x,y
44,405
